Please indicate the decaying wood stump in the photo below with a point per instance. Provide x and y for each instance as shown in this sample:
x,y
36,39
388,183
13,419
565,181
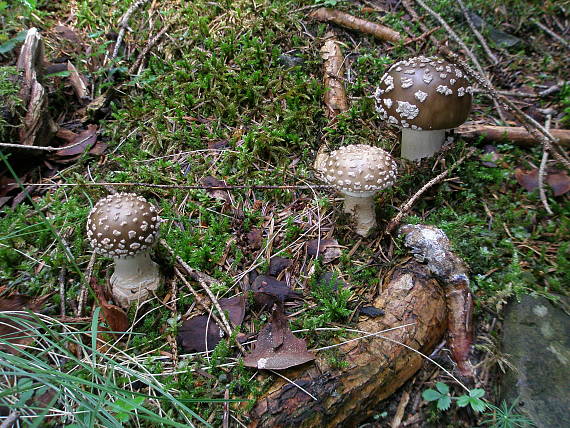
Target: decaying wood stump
x,y
36,127
377,365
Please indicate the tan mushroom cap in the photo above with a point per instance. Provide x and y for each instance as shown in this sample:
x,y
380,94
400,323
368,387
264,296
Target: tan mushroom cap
x,y
122,225
424,93
360,169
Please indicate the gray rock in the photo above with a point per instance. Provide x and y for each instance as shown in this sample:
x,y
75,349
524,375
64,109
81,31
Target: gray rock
x,y
536,334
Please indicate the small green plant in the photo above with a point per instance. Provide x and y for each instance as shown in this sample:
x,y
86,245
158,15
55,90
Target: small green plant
x,y
328,2
504,416
443,398
440,394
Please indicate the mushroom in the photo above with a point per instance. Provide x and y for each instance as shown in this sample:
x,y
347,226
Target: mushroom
x,y
424,97
358,172
124,226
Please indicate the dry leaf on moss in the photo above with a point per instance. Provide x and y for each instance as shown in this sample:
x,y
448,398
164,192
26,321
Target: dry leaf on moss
x,y
277,348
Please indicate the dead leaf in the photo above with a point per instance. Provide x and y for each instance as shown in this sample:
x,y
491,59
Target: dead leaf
x,y
114,316
277,348
328,248
278,264
267,291
67,33
84,141
559,181
490,157
254,238
216,193
201,333
218,145
11,330
527,179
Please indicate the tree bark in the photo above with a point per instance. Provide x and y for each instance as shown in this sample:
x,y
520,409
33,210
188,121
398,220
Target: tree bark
x,y
335,96
376,365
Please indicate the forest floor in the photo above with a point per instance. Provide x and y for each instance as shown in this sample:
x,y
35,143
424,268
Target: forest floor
x,y
201,94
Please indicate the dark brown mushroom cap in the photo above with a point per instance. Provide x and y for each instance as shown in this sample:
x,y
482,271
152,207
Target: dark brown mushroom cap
x,y
359,169
424,94
122,225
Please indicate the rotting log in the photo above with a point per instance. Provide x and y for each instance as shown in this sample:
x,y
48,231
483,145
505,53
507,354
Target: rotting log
x,y
377,366
516,134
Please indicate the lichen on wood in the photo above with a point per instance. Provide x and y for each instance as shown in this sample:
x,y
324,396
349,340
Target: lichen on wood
x,y
377,365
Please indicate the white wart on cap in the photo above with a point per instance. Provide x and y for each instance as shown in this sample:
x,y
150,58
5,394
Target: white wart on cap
x,y
424,94
121,225
358,172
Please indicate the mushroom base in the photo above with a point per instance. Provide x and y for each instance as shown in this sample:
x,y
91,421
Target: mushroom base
x,y
421,144
362,208
134,278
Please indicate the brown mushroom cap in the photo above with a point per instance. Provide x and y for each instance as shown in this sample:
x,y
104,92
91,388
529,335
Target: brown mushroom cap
x,y
424,94
122,225
359,169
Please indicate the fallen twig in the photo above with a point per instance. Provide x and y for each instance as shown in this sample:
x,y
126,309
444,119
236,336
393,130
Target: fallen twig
x,y
46,148
349,21
10,420
550,32
516,134
406,207
333,69
542,173
479,36
123,24
148,47
204,280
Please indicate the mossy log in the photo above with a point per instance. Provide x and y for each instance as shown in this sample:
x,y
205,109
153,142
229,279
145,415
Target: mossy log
x,y
377,366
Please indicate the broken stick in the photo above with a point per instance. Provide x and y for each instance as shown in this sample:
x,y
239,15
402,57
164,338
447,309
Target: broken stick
x,y
349,21
431,246
335,95
515,134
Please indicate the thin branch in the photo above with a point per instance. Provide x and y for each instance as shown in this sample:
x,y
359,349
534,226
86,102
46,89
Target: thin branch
x,y
408,205
464,47
45,148
124,22
10,420
479,36
203,279
542,173
148,47
550,32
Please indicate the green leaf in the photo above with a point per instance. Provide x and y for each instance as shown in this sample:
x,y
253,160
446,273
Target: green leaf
x,y
476,393
11,44
431,395
478,405
442,387
463,400
444,402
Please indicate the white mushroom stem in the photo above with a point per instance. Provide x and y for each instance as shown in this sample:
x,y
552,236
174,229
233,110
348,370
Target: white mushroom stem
x,y
134,277
421,144
361,206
